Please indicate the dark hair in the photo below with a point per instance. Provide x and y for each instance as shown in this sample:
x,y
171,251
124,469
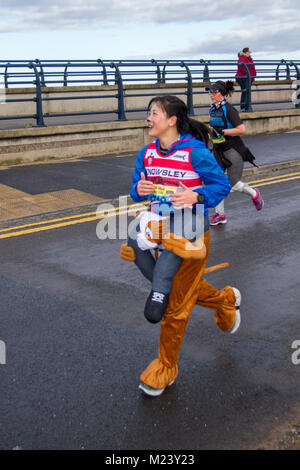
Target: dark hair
x,y
174,106
229,88
246,49
226,88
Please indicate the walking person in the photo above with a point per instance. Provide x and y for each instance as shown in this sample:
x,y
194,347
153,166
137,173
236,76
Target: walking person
x,y
228,147
244,57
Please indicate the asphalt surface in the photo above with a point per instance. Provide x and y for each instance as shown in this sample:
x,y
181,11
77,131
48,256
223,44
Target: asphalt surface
x,y
76,339
110,176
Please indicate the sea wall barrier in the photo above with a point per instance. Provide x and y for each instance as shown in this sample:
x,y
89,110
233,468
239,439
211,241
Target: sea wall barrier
x,y
58,101
115,77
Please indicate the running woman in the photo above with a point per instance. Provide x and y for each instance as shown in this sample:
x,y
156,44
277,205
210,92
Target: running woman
x,y
178,161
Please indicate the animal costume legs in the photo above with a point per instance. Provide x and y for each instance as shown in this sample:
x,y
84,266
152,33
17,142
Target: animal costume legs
x,y
188,288
222,301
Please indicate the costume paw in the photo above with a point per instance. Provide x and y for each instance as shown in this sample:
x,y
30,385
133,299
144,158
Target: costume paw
x,y
127,253
184,248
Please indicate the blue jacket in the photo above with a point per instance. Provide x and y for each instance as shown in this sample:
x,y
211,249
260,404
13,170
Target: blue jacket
x,y
217,185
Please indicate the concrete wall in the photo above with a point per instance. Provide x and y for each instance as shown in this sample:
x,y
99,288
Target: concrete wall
x,y
67,141
260,92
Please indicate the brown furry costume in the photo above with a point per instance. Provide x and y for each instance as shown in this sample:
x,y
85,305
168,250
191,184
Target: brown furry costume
x,y
188,288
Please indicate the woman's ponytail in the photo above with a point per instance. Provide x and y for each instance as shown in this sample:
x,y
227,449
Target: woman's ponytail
x,y
229,88
199,130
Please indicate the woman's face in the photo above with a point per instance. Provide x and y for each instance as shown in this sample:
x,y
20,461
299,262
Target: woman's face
x,y
158,121
215,96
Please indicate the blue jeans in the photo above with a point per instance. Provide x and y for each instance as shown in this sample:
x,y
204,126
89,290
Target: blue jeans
x,y
162,271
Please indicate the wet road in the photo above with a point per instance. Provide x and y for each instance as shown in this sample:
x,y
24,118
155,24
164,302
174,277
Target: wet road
x,y
110,176
76,339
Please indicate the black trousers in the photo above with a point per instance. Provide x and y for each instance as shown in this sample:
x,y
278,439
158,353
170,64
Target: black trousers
x,y
242,82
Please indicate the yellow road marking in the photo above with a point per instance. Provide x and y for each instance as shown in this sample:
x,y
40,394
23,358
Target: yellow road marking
x,y
44,222
275,178
278,181
66,224
92,216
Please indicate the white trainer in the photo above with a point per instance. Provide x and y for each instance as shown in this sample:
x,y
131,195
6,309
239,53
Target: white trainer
x,y
153,392
237,322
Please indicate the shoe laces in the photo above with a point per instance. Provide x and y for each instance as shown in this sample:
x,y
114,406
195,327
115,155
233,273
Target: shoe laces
x,y
158,297
215,216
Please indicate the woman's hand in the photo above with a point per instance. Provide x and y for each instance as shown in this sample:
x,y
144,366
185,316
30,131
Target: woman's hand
x,y
144,187
186,198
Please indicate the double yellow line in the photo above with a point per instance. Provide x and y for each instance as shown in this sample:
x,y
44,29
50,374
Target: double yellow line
x,y
276,179
41,226
70,220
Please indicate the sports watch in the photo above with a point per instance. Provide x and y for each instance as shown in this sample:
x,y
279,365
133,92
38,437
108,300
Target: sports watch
x,y
200,198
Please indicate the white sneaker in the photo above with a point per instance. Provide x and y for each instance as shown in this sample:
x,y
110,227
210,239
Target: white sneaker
x,y
153,392
237,322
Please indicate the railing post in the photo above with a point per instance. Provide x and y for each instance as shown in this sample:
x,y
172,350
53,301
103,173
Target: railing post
x,y
37,61
116,77
190,105
120,96
277,70
66,74
248,103
205,70
288,75
206,74
105,81
163,80
157,71
38,98
6,75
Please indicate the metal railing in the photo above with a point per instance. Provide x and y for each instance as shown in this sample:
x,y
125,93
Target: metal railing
x,y
66,73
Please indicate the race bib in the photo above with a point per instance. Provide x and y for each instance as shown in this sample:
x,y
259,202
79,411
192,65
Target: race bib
x,y
161,190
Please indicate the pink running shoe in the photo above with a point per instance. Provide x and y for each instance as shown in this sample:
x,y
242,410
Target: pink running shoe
x,y
218,219
258,200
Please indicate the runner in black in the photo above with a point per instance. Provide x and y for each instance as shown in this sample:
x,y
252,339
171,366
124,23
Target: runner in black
x,y
228,147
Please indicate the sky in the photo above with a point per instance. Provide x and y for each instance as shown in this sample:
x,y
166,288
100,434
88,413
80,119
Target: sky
x,y
156,29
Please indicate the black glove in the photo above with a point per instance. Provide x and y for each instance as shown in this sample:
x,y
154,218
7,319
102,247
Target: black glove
x,y
218,135
218,132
